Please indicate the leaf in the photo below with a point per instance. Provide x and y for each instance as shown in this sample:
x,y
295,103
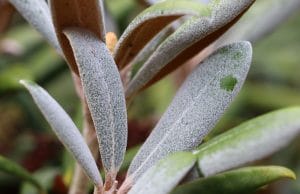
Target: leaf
x,y
165,175
241,181
147,51
187,41
37,13
250,141
151,21
197,107
264,16
65,129
104,92
46,176
87,14
15,169
6,13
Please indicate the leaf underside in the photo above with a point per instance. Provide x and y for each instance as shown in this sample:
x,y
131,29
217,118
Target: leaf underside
x,y
87,14
187,41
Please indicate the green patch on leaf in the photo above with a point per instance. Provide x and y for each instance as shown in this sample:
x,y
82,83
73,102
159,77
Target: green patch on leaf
x,y
228,83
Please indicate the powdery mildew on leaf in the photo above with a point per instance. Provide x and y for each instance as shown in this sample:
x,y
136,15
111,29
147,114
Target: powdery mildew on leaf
x,y
104,92
165,175
175,51
250,141
37,13
147,24
65,129
196,108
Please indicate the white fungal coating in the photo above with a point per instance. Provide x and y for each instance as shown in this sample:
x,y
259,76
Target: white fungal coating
x,y
37,13
197,106
250,141
104,92
65,129
191,32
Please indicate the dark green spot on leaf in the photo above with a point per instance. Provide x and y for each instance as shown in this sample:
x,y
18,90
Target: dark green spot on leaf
x,y
228,83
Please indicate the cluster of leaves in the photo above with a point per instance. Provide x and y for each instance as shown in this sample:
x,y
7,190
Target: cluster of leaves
x,y
79,35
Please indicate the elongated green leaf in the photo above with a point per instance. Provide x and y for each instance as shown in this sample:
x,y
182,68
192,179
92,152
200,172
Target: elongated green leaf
x,y
65,129
264,16
241,181
146,25
250,141
87,14
165,175
187,41
198,105
37,13
104,92
14,169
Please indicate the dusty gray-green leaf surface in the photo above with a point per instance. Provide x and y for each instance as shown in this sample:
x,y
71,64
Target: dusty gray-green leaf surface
x,y
104,92
198,105
65,129
37,13
264,16
240,181
165,175
147,24
188,40
249,141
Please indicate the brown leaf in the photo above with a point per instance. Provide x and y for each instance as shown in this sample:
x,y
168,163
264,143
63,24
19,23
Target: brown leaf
x,y
85,14
6,12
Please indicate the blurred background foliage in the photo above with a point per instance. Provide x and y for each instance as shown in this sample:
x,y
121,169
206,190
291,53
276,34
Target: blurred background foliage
x,y
273,83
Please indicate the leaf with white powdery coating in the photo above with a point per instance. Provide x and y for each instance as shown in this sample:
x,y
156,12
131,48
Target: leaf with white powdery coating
x,y
240,181
65,129
150,22
105,96
250,141
37,13
187,41
165,175
87,14
197,107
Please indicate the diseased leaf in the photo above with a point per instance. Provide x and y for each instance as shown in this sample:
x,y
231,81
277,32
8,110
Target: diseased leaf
x,y
165,175
65,129
104,92
151,21
241,181
37,13
249,141
187,41
196,108
87,14
14,169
